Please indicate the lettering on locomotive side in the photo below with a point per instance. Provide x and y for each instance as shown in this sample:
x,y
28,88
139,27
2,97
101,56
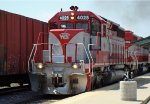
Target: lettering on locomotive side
x,y
64,36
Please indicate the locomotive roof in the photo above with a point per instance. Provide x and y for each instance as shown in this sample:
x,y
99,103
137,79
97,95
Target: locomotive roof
x,y
143,42
89,13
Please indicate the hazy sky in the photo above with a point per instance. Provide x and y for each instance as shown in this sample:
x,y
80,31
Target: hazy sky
x,y
132,15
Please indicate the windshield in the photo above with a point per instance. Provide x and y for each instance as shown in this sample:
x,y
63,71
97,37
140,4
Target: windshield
x,y
82,26
66,26
78,26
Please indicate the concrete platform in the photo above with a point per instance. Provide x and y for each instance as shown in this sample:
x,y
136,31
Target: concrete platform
x,y
111,94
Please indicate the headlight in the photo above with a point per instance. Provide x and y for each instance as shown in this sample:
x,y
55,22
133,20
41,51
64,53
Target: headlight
x,y
40,66
75,66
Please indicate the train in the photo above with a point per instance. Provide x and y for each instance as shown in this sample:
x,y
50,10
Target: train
x,y
84,51
17,36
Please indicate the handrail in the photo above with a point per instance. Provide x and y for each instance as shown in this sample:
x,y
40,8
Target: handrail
x,y
30,57
34,50
84,50
40,35
34,47
78,44
136,59
98,34
87,56
91,56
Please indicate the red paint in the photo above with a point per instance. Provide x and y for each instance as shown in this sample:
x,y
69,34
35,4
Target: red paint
x,y
23,45
64,51
69,59
71,33
17,34
45,30
76,53
88,85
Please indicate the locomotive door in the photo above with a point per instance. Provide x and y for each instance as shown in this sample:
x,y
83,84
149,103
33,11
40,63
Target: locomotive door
x,y
94,38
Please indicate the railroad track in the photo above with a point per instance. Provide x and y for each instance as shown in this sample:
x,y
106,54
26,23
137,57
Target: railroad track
x,y
13,95
47,99
19,97
30,97
23,95
10,90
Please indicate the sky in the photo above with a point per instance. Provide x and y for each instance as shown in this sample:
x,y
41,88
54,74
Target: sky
x,y
132,15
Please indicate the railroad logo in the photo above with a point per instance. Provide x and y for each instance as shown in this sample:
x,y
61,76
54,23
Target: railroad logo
x,y
64,36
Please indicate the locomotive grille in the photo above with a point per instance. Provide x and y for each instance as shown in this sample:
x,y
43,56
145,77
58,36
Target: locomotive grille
x,y
57,80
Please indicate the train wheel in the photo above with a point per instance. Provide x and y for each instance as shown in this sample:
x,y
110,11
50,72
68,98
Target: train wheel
x,y
135,73
97,83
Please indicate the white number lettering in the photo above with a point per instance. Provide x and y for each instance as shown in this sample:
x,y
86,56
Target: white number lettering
x,y
64,17
82,17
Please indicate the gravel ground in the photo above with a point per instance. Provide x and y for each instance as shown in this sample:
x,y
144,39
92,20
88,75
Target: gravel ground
x,y
42,101
48,99
18,97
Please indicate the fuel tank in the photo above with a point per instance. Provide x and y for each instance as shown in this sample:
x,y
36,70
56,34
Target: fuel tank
x,y
113,76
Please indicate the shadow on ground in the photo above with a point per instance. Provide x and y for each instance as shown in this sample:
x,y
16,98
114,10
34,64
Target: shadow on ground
x,y
140,84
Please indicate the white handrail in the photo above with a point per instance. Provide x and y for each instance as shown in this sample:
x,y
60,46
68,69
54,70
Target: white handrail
x,y
35,47
30,57
91,55
86,54
136,59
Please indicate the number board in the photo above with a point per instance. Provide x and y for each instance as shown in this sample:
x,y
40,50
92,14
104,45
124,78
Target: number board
x,y
83,17
64,17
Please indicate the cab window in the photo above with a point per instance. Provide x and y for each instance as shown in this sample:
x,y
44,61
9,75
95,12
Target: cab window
x,y
66,26
53,25
95,28
82,26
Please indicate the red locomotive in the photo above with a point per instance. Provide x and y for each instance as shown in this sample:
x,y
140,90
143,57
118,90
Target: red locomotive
x,y
84,51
